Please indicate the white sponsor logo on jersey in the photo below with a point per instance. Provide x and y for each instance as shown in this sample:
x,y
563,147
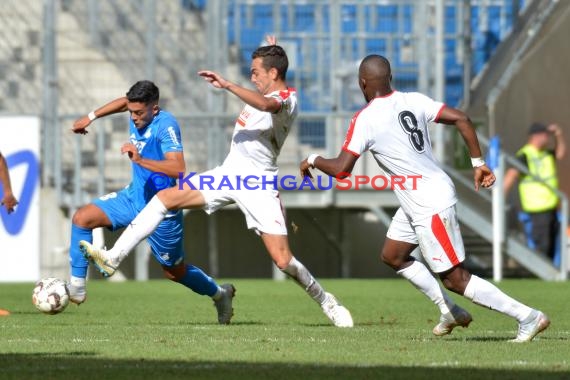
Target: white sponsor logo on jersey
x,y
173,135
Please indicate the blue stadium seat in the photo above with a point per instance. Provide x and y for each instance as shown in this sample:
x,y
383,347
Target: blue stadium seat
x,y
408,19
381,19
450,20
312,132
376,46
348,19
304,18
387,19
194,5
405,80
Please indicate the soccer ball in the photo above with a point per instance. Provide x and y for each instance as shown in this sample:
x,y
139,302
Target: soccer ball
x,y
50,295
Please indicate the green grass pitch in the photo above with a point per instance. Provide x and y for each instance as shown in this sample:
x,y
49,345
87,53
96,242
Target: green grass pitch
x,y
159,330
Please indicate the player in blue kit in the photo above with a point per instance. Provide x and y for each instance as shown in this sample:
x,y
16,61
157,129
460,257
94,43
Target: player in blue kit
x,y
156,153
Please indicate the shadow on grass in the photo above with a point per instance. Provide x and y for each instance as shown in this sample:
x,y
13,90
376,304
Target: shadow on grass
x,y
84,365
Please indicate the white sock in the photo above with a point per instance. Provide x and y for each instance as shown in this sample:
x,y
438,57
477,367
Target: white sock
x,y
77,281
296,270
142,226
484,293
218,294
425,282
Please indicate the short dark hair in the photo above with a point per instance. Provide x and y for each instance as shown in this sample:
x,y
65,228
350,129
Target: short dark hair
x,y
273,56
144,91
537,128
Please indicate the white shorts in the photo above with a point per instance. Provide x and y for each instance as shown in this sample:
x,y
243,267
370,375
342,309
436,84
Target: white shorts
x,y
439,237
259,202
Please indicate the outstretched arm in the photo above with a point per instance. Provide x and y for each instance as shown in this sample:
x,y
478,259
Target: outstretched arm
x,y
8,200
253,98
483,176
339,167
115,106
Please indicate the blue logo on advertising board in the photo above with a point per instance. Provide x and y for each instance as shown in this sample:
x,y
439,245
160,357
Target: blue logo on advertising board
x,y
14,222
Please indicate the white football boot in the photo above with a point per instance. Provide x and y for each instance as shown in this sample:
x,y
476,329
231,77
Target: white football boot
x,y
97,257
447,322
527,331
338,314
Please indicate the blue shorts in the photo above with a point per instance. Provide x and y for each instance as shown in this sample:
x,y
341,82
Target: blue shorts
x,y
165,242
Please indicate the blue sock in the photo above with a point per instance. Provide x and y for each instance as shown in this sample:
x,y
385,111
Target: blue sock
x,y
198,281
79,264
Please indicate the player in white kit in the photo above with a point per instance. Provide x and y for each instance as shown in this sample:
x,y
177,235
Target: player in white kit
x,y
246,178
393,126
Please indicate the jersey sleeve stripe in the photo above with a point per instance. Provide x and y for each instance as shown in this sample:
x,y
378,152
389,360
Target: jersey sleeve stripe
x,y
439,113
350,132
351,152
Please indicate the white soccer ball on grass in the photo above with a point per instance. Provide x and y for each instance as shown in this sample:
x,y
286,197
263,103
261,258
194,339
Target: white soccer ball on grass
x,y
50,295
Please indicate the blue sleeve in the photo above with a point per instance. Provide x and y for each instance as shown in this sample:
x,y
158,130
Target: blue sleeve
x,y
169,136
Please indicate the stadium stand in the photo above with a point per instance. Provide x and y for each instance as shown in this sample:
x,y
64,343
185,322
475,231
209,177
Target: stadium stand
x,y
383,23
101,58
366,27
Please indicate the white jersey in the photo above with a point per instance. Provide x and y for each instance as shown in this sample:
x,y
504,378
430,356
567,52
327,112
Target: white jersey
x,y
394,128
258,136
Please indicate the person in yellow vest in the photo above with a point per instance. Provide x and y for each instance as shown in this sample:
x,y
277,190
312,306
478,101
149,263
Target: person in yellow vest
x,y
539,203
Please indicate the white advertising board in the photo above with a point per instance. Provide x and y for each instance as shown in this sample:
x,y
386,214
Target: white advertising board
x,y
20,230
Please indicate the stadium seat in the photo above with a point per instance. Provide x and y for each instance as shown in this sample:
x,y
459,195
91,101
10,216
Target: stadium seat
x,y
384,23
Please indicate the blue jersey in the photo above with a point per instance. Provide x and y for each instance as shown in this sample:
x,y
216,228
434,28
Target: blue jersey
x,y
161,136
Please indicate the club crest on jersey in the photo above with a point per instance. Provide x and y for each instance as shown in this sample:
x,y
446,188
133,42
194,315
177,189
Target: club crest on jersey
x,y
139,144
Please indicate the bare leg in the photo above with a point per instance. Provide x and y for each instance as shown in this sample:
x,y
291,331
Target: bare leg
x,y
278,248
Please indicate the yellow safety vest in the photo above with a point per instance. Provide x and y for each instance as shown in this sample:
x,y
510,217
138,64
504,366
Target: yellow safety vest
x,y
534,195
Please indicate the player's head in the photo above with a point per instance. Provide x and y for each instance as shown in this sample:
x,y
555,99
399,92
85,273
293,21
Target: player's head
x,y
374,76
142,102
538,135
268,65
